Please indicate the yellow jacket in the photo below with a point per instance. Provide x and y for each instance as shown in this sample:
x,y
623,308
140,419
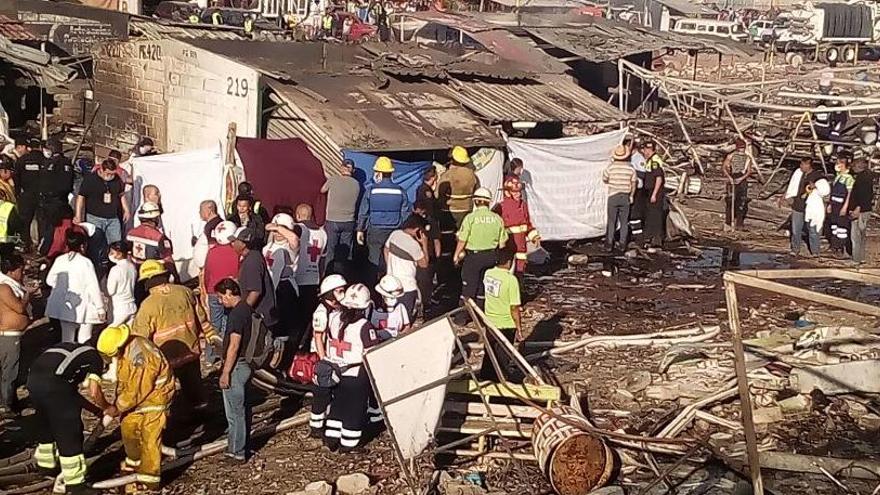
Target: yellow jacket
x,y
145,380
455,189
172,318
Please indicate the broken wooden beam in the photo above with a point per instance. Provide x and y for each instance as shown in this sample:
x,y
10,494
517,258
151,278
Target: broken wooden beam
x,y
800,463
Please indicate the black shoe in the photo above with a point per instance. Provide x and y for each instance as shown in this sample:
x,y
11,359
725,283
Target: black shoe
x,y
352,450
80,489
316,432
48,472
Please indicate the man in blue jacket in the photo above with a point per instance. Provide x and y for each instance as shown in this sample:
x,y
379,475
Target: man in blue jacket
x,y
384,208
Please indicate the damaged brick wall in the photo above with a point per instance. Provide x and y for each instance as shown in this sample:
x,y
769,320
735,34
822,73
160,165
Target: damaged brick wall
x,y
181,96
129,84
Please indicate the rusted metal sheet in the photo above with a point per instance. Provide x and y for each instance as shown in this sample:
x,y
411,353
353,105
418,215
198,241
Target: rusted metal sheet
x,y
15,30
150,30
549,98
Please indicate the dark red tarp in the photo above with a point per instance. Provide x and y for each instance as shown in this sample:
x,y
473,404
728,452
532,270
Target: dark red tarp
x,y
283,172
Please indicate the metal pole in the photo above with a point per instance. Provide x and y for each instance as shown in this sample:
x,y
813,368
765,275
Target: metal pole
x,y
742,384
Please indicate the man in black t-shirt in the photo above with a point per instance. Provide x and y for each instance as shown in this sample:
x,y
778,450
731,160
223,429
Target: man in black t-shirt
x,y
101,201
236,372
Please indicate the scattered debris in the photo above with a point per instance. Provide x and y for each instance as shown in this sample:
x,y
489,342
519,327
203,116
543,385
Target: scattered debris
x,y
353,484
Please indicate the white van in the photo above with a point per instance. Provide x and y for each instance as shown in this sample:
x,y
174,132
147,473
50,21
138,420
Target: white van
x,y
710,27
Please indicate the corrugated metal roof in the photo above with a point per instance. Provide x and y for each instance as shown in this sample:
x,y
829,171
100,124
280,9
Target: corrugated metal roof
x,y
550,98
38,64
687,8
14,30
603,41
361,114
286,121
158,31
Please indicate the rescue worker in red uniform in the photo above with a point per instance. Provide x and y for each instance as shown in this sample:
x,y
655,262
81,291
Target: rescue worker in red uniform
x,y
150,243
515,212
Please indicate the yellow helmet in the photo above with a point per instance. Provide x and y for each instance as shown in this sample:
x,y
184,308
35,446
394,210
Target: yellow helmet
x,y
112,338
383,164
150,269
460,155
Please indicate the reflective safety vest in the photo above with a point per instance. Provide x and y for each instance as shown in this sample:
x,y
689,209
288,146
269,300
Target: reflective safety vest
x,y
248,25
194,19
217,18
386,200
5,212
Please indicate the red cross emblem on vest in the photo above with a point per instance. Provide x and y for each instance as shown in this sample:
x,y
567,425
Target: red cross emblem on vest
x,y
340,345
314,251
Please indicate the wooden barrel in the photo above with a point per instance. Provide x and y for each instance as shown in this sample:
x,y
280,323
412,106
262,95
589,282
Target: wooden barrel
x,y
575,462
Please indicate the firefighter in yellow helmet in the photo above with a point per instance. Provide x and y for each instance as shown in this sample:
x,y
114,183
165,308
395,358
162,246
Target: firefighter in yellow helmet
x,y
173,319
145,386
455,192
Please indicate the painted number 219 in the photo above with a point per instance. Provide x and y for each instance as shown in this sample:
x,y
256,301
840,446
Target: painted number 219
x,y
236,86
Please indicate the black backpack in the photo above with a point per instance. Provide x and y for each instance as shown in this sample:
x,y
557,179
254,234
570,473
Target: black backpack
x,y
260,344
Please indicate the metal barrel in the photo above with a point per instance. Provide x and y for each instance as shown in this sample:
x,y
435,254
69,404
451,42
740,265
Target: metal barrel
x,y
574,461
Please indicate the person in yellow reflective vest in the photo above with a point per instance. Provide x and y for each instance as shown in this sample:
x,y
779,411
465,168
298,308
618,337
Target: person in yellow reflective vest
x,y
174,320
193,18
10,226
249,24
145,387
7,183
216,18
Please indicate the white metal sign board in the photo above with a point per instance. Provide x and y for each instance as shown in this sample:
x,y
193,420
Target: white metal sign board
x,y
409,363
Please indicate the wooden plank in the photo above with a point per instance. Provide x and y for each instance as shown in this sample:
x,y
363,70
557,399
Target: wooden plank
x,y
503,410
470,426
494,455
742,382
797,292
862,276
858,468
533,392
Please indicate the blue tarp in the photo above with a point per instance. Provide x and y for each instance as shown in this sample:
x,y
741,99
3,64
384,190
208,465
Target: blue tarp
x,y
407,174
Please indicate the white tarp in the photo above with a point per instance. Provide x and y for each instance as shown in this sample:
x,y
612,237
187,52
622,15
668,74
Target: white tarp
x,y
563,179
489,164
405,364
185,179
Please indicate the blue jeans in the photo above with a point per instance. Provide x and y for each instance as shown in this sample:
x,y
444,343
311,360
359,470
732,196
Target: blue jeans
x,y
237,411
111,227
340,239
217,315
797,234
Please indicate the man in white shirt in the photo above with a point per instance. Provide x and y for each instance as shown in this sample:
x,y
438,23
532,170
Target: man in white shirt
x,y
406,250
310,269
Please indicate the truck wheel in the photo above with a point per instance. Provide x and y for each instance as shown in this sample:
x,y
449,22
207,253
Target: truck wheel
x,y
831,54
849,53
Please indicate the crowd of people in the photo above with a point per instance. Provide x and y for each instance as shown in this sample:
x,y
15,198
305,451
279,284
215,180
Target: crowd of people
x,y
838,206
312,297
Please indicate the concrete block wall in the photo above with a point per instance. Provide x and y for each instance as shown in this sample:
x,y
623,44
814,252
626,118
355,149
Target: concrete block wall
x,y
181,96
129,81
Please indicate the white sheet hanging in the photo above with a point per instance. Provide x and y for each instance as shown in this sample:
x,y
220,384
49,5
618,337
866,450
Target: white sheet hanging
x,y
563,181
185,180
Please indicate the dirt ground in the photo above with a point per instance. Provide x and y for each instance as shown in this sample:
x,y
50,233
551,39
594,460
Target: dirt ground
x,y
625,386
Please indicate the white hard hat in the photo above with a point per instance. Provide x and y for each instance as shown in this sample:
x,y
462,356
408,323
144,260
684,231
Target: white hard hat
x,y
284,220
331,283
90,228
390,286
149,210
223,232
483,193
357,297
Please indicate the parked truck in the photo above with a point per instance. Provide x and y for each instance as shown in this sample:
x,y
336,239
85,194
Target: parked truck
x,y
833,31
